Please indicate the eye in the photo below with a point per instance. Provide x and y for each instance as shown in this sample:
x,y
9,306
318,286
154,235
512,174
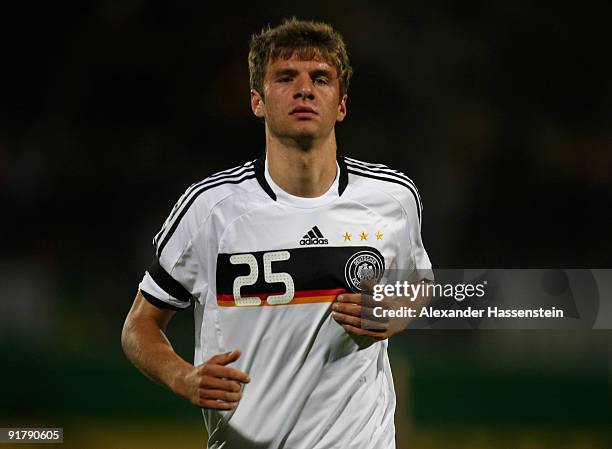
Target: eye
x,y
321,81
284,79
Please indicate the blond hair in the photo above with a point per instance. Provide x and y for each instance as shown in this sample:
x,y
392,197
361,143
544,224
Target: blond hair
x,y
307,40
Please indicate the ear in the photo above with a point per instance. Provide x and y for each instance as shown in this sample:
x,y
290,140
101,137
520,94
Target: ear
x,y
257,104
342,109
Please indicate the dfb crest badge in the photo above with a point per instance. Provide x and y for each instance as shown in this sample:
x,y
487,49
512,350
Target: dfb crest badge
x,y
362,268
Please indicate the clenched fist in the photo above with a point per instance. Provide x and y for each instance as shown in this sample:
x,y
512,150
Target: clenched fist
x,y
213,384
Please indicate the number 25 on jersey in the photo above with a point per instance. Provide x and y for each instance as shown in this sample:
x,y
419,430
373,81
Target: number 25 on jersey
x,y
269,276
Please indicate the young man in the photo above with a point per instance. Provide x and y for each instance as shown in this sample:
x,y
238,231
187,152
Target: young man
x,y
274,255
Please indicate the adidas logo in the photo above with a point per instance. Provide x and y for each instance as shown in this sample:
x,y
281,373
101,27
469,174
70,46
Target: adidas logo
x,y
314,237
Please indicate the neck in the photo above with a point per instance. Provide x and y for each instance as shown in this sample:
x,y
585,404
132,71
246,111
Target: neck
x,y
302,170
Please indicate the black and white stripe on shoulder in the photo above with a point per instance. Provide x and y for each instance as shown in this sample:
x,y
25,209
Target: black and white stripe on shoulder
x,y
225,174
234,175
383,173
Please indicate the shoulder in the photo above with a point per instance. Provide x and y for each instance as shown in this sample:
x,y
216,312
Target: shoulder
x,y
384,178
199,200
220,184
203,196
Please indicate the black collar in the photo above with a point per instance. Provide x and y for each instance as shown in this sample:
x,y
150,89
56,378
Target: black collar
x,y
260,170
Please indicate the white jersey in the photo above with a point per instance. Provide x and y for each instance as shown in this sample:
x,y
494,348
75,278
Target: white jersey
x,y
263,268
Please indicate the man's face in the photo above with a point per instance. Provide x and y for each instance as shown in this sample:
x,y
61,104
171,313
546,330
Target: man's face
x,y
301,99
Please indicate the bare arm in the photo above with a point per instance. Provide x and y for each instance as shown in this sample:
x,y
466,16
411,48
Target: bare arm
x,y
144,342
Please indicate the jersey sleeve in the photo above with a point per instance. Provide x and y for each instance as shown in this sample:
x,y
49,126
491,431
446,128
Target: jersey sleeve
x,y
414,261
170,281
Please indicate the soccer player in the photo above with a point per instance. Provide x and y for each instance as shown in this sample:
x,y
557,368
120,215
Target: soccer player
x,y
274,255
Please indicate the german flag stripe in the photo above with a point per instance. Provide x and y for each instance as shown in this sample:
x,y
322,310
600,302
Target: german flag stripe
x,y
301,297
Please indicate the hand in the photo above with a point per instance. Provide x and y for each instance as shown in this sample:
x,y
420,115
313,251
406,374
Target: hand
x,y
355,313
213,384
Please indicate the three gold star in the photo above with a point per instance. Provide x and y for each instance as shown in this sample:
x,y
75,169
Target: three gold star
x,y
363,236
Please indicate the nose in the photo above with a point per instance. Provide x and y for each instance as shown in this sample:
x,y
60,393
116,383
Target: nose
x,y
304,89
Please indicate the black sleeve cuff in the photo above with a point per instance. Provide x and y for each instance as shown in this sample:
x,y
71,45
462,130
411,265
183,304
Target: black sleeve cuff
x,y
168,283
158,302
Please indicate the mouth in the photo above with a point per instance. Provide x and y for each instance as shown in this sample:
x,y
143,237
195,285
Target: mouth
x,y
303,111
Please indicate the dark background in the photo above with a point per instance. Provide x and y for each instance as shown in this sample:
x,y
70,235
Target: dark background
x,y
499,111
